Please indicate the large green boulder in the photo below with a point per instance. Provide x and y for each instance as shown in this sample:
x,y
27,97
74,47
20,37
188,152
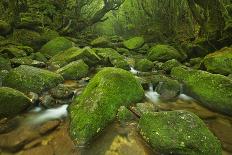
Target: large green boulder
x,y
75,70
212,90
164,53
97,106
144,65
134,43
28,37
178,132
12,102
56,46
5,28
110,57
219,61
30,79
72,54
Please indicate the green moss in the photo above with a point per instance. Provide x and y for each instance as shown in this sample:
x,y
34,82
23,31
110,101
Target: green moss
x,y
110,57
134,43
124,114
28,38
21,61
30,79
178,132
13,52
75,70
144,65
56,46
219,62
168,65
212,90
97,106
101,42
4,64
12,102
164,53
72,54
49,34
5,28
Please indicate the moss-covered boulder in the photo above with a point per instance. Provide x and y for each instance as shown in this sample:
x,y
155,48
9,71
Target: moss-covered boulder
x,y
49,34
72,54
5,28
124,114
168,65
12,52
110,57
56,46
12,102
30,21
144,65
219,61
134,43
101,42
30,79
75,70
178,132
212,90
3,74
28,37
164,53
97,106
4,64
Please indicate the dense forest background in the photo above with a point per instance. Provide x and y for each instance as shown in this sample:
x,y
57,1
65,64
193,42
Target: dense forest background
x,y
156,20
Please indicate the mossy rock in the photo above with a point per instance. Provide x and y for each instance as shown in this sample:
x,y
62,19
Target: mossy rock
x,y
3,74
144,65
178,132
48,34
98,105
212,90
56,46
38,56
219,61
29,21
28,38
101,42
168,65
164,53
75,70
124,114
196,63
5,28
12,52
12,102
72,54
134,43
31,79
5,64
110,57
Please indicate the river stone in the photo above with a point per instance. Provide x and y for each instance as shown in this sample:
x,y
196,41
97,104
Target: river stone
x,y
144,65
30,79
101,42
110,57
134,43
98,105
163,53
212,90
219,61
75,70
12,102
178,132
56,46
72,54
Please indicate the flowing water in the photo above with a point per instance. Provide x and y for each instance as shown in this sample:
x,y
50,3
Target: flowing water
x,y
45,131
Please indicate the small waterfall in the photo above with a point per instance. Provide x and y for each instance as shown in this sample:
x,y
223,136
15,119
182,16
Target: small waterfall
x,y
152,95
49,114
184,96
133,71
